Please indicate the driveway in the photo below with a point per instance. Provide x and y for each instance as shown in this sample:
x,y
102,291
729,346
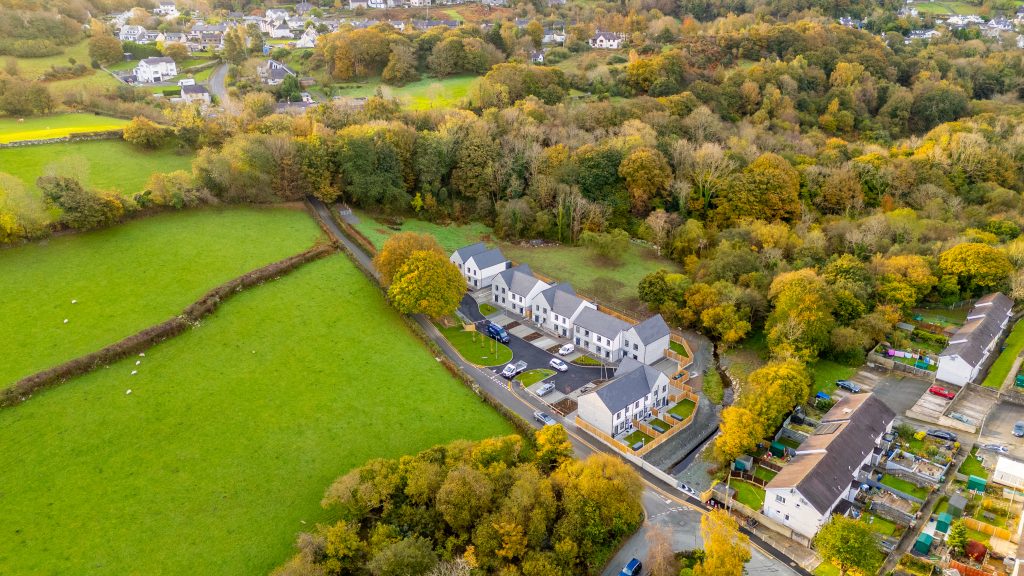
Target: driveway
x,y
998,428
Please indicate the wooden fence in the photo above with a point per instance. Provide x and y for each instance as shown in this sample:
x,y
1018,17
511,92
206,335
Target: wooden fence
x,y
658,437
989,529
966,570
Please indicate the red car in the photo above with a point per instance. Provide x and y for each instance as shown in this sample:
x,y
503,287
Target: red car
x,y
940,391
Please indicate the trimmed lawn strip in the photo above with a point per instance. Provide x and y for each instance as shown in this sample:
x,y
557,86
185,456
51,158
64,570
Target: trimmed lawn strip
x,y
531,377
972,466
826,372
476,347
660,424
129,277
678,349
746,493
905,486
586,361
1001,367
764,473
486,309
683,409
637,436
57,126
232,433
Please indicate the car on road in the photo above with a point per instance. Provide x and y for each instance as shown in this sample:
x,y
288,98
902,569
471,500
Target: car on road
x,y
544,418
999,448
943,392
1018,429
566,349
632,568
546,388
497,332
513,369
558,365
942,435
849,385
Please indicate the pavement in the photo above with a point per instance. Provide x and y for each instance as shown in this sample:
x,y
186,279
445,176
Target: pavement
x,y
525,405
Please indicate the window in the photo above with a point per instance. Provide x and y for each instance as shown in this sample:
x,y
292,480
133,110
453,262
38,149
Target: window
x,y
787,516
634,347
625,343
586,332
780,499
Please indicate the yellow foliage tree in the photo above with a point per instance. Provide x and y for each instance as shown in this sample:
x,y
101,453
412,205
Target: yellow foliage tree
x,y
427,283
397,250
738,433
726,549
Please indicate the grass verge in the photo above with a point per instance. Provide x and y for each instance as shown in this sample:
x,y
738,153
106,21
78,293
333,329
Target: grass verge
x,y
476,347
1001,367
531,377
486,309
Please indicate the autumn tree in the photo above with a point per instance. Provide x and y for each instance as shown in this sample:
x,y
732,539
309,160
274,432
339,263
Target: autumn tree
x,y
775,389
661,559
401,66
553,447
739,433
647,175
176,51
105,49
145,133
608,245
81,209
976,267
726,549
801,322
398,248
957,538
769,189
848,544
427,283
22,215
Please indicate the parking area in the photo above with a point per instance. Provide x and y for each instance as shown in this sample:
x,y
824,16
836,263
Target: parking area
x,y
899,391
998,428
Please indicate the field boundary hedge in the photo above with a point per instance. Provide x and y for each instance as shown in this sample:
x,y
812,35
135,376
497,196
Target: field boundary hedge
x,y
76,137
23,389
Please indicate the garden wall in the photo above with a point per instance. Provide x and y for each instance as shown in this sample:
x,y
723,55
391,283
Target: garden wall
x,y
23,389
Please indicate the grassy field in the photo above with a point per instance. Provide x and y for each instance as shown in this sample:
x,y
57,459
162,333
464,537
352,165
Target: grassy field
x,y
421,95
476,347
105,164
1001,367
231,434
826,372
32,68
128,277
450,237
35,128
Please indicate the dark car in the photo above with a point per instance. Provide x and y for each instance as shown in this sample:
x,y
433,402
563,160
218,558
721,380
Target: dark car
x,y
848,385
632,568
1018,429
498,333
942,435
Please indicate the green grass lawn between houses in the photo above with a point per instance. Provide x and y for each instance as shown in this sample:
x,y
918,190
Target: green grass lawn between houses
x,y
972,466
746,493
105,164
764,473
56,126
487,309
678,349
683,409
637,436
905,486
128,277
1001,367
231,435
881,525
476,347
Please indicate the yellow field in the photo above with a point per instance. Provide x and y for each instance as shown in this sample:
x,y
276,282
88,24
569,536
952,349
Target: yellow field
x,y
58,126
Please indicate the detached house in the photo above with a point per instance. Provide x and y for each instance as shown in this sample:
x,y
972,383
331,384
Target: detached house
x,y
557,308
973,343
606,40
515,289
273,72
479,265
635,389
166,9
308,39
803,495
279,30
194,93
156,69
600,334
132,33
647,341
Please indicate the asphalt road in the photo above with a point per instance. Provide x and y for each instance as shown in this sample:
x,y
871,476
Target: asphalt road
x,y
217,84
998,428
524,405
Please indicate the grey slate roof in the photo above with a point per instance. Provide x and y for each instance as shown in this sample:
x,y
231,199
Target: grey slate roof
x,y
628,388
563,299
520,280
601,323
652,329
984,323
194,89
823,466
473,249
488,258
158,60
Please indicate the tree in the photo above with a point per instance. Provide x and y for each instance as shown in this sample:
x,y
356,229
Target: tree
x,y
427,283
176,51
401,66
290,90
258,104
775,389
739,433
145,133
407,557
610,245
661,559
848,544
535,31
20,98
81,209
647,175
768,189
105,49
553,447
802,320
464,497
397,249
234,47
22,215
957,538
726,549
976,267
345,551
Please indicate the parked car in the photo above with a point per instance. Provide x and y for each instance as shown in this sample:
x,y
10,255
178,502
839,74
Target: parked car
x,y
848,385
940,391
1018,429
513,369
545,389
632,568
497,332
942,434
558,365
566,349
544,418
999,448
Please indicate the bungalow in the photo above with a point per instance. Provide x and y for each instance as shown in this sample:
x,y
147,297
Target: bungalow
x,y
273,72
630,395
557,308
646,342
803,495
515,289
156,69
972,344
537,57
552,36
600,334
606,40
195,93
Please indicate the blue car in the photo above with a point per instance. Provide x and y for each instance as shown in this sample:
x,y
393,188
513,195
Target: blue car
x,y
498,333
632,568
848,385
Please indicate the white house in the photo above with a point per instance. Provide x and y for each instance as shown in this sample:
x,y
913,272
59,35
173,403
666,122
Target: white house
x,y
308,39
194,93
353,4
552,36
647,341
635,389
1009,473
273,72
166,9
515,288
479,265
972,344
132,33
279,30
156,69
600,334
606,40
803,495
557,308
275,14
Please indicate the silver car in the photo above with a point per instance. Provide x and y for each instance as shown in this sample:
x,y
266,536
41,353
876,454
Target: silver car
x,y
545,389
544,418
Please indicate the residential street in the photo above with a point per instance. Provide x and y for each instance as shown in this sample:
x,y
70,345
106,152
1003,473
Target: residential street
x,y
217,85
524,405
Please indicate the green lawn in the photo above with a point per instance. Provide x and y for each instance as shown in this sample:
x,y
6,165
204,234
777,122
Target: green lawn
x,y
60,125
637,436
531,377
586,361
476,347
905,486
764,473
826,569
746,493
451,237
825,374
105,164
660,424
1001,367
976,536
486,309
678,349
881,525
683,409
420,95
972,466
231,434
128,277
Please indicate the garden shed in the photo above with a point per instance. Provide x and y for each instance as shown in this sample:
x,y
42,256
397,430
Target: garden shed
x,y
923,543
957,503
942,524
744,464
976,483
